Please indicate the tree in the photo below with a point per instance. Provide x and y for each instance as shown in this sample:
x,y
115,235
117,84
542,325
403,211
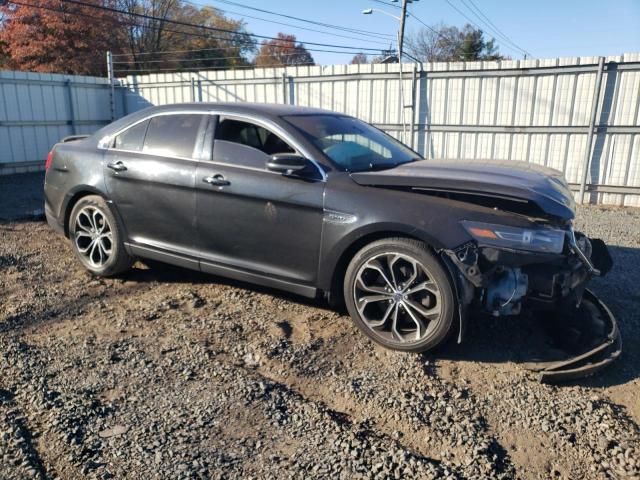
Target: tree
x,y
283,51
359,58
474,46
436,44
148,38
444,43
63,40
222,49
69,38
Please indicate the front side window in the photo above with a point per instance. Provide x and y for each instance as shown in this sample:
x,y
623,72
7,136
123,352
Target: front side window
x,y
351,144
131,139
172,135
252,135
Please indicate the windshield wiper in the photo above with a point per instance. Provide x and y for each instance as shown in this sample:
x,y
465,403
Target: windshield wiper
x,y
388,166
383,166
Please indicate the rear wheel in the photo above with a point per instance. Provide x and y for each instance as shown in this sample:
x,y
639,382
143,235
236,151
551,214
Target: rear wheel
x,y
399,295
96,237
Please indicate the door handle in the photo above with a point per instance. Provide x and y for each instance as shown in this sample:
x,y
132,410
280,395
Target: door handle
x,y
117,166
217,180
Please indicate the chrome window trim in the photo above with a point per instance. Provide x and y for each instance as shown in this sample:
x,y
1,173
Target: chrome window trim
x,y
104,142
275,128
151,154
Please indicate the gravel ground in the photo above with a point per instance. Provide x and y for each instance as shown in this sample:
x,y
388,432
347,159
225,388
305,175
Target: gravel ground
x,y
165,373
21,196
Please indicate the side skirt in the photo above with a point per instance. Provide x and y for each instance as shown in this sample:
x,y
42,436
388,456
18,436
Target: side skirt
x,y
221,270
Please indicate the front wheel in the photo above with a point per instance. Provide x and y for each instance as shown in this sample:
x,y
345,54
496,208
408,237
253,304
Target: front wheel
x,y
96,237
399,295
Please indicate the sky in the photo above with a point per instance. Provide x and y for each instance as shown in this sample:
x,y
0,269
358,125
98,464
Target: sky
x,y
545,28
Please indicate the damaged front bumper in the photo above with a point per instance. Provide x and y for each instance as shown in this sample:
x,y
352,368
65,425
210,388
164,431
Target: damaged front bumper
x,y
504,282
599,328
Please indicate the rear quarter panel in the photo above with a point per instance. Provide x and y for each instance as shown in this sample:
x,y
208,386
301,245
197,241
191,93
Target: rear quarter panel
x,y
76,168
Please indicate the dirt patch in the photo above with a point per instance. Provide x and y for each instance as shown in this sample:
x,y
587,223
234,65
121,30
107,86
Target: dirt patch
x,y
166,373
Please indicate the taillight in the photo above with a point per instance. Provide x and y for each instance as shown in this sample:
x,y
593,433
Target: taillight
x,y
47,164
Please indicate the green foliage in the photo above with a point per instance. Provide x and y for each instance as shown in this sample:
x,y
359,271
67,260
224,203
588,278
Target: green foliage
x,y
446,43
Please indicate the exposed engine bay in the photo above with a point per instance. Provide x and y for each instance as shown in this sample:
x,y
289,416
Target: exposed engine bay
x,y
506,282
525,260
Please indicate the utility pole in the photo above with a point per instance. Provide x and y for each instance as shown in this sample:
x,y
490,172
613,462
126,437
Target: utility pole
x,y
401,31
400,40
401,89
112,92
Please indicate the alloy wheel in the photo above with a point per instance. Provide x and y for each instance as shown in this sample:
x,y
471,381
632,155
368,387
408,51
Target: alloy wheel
x,y
93,236
397,298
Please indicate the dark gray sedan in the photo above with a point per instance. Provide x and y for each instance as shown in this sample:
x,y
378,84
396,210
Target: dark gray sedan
x,y
322,204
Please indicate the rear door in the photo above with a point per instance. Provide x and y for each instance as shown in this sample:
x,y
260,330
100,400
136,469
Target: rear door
x,y
150,175
253,219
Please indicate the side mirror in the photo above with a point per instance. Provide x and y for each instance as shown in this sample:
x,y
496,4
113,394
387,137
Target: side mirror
x,y
287,163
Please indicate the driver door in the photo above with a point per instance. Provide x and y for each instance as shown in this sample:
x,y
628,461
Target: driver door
x,y
251,219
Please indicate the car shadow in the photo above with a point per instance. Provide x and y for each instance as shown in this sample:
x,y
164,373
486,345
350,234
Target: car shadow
x,y
522,339
152,271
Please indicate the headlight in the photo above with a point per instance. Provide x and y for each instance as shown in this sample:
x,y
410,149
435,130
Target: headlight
x,y
540,239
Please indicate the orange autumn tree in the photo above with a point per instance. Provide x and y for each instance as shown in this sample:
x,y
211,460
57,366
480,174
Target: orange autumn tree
x,y
59,37
283,51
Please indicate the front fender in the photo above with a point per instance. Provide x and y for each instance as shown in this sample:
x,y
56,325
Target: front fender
x,y
339,244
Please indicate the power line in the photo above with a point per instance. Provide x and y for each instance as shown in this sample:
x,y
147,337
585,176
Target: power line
x,y
516,49
419,20
203,27
488,22
197,69
323,24
163,52
370,36
377,35
202,59
133,24
388,4
191,34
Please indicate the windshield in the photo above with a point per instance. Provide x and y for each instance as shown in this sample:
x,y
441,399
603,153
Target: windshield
x,y
351,144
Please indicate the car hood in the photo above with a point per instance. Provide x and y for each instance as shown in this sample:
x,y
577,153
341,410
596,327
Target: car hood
x,y
514,180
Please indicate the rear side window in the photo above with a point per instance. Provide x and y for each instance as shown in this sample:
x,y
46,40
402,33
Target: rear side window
x,y
172,135
132,138
252,135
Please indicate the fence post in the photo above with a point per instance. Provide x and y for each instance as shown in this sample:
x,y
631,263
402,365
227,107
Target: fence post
x,y
112,99
72,115
199,90
414,83
193,89
592,125
284,88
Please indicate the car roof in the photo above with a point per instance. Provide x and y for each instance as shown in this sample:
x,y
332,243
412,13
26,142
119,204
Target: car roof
x,y
268,111
265,109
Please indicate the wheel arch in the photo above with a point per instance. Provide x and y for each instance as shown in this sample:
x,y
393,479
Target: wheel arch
x,y
332,275
81,191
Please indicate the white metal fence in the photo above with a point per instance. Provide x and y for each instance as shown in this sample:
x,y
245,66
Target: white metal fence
x,y
37,110
538,111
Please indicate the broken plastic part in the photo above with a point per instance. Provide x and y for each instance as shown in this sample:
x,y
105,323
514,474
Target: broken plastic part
x,y
608,348
573,244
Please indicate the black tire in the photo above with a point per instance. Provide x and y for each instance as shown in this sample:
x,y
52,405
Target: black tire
x,y
365,290
96,238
